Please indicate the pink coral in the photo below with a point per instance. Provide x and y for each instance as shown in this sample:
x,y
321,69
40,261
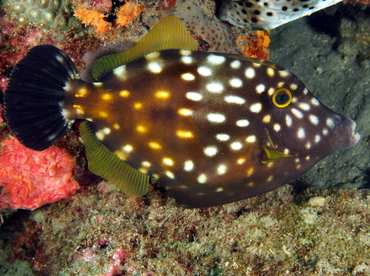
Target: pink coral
x,y
30,179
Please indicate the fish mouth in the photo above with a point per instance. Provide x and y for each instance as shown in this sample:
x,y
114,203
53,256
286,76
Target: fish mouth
x,y
354,136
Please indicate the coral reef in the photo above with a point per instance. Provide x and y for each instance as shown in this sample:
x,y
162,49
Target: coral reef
x,y
128,12
49,14
102,231
30,179
92,17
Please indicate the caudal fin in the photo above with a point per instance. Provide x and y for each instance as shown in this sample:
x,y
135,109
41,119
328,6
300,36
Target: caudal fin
x,y
34,98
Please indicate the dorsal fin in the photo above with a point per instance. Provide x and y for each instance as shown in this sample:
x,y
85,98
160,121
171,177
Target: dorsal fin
x,y
103,162
169,33
252,59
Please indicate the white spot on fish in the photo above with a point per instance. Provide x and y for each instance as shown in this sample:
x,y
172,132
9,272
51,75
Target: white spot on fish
x,y
325,131
106,130
288,120
215,87
235,64
210,151
251,139
221,169
188,76
187,59
220,189
301,133
146,164
250,73
188,165
330,122
266,119
260,88
216,59
202,178
235,82
194,96
256,107
317,138
120,72
304,106
185,112
293,86
277,127
168,161
270,72
313,119
154,67
127,148
236,145
297,113
308,145
283,73
152,56
185,52
216,117
315,102
234,99
223,137
204,71
242,123
170,174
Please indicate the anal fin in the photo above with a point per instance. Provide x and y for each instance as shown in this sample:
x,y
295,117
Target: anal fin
x,y
103,162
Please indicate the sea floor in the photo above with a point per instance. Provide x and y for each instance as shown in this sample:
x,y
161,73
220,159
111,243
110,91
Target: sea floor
x,y
319,225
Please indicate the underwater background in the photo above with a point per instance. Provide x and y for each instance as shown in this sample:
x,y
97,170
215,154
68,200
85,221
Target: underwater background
x,y
317,225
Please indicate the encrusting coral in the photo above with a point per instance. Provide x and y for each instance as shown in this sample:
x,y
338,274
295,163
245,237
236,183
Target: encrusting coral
x,y
30,179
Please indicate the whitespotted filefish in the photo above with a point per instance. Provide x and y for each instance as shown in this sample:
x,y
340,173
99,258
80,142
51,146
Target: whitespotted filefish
x,y
269,14
211,128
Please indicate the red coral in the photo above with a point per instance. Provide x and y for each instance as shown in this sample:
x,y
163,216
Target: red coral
x,y
255,44
30,179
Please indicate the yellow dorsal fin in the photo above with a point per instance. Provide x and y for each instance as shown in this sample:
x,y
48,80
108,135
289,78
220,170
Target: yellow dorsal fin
x,y
169,33
103,162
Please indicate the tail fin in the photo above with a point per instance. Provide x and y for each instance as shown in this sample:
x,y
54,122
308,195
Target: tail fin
x,y
34,98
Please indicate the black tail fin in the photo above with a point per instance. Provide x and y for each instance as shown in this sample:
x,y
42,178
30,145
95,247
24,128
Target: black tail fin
x,y
34,98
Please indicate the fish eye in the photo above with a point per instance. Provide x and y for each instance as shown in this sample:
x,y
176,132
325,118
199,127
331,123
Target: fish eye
x,y
282,98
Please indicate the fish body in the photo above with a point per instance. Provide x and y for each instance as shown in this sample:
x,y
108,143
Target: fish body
x,y
269,14
211,128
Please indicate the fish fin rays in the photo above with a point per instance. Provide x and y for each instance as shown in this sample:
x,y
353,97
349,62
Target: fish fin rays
x,y
169,33
34,97
103,162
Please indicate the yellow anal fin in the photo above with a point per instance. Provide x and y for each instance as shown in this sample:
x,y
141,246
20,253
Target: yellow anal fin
x,y
169,33
270,155
103,162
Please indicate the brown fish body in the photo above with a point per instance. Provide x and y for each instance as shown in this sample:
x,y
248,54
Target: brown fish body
x,y
203,127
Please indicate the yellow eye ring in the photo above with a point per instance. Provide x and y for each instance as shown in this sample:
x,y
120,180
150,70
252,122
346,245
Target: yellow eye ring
x,y
282,97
